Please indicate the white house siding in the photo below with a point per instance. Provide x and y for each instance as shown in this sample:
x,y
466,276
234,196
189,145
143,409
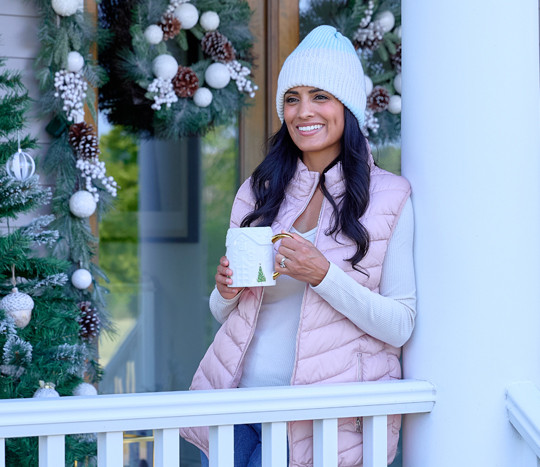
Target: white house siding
x,y
19,44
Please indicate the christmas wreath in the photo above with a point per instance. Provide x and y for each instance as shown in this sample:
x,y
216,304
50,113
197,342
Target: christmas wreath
x,y
175,67
374,27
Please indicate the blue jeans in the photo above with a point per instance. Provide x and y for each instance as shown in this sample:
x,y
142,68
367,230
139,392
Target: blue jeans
x,y
247,446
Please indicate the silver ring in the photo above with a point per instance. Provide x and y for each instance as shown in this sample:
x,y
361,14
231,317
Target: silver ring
x,y
282,262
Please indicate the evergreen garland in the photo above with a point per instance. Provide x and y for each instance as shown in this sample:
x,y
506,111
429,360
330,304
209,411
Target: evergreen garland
x,y
36,352
367,24
66,54
137,97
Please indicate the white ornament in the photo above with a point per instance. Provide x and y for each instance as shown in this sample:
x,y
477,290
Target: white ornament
x,y
397,31
165,66
85,389
239,73
217,75
187,14
394,105
19,306
202,97
75,62
397,83
65,7
82,204
369,85
386,21
81,279
163,91
71,88
46,390
209,21
153,34
20,166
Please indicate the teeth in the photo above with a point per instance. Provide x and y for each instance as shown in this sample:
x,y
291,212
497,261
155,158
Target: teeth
x,y
309,128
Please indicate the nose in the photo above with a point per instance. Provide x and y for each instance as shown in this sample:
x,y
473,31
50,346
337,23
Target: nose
x,y
305,109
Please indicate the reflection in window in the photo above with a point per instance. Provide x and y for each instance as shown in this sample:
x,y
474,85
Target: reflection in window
x,y
160,246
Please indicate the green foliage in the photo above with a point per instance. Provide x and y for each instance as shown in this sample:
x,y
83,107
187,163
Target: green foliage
x,y
76,245
118,230
49,347
220,172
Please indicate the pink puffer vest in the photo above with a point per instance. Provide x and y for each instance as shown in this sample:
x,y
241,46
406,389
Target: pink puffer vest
x,y
355,356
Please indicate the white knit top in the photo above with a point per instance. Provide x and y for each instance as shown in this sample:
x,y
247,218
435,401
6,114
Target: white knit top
x,y
388,315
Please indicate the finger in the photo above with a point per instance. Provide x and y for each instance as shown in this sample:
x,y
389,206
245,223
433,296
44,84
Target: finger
x,y
296,237
287,252
223,271
224,261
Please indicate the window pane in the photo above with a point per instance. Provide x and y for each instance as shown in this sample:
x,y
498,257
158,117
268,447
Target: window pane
x,y
160,246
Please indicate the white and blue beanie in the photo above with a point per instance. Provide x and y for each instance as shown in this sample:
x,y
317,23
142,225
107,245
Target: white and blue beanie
x,y
327,60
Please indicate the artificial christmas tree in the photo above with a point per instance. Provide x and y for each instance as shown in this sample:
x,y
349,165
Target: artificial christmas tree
x,y
46,345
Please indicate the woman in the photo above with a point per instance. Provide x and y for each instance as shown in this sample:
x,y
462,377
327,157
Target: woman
x,y
345,301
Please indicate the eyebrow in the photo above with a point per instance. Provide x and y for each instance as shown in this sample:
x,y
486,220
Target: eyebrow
x,y
311,91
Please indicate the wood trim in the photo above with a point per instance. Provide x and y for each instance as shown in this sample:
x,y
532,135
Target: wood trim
x,y
92,8
275,27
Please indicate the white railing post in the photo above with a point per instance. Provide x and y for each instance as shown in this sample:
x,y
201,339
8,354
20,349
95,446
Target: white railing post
x,y
375,441
52,451
2,452
110,449
167,448
221,446
274,444
325,442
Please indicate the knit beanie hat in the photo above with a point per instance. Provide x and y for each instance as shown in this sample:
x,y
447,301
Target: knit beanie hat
x,y
327,60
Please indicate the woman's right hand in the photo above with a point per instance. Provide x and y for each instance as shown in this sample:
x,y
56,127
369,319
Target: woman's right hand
x,y
223,279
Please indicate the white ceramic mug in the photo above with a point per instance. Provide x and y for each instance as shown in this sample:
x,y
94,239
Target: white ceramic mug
x,y
250,253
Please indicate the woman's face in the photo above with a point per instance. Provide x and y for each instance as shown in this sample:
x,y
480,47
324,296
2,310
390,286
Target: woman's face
x,y
315,120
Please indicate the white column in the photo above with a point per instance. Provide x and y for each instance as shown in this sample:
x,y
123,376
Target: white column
x,y
471,149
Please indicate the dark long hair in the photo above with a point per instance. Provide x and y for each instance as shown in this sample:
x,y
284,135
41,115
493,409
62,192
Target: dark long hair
x,y
271,177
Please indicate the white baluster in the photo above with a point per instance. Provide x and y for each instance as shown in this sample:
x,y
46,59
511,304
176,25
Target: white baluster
x,y
375,442
167,448
52,451
274,444
222,446
325,443
110,449
2,452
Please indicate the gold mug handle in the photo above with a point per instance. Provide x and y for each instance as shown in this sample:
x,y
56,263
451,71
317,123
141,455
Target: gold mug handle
x,y
275,238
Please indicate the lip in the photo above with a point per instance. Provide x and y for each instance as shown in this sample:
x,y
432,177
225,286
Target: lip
x,y
311,131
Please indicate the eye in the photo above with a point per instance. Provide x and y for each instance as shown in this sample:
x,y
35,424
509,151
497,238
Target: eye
x,y
291,100
321,97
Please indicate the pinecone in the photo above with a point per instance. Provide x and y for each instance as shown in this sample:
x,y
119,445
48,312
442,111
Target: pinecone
x,y
378,99
89,321
396,58
171,26
185,82
84,140
218,47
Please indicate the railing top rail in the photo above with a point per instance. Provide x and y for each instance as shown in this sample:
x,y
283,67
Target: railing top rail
x,y
523,406
38,417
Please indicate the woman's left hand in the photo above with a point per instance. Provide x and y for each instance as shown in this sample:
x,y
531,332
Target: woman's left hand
x,y
303,261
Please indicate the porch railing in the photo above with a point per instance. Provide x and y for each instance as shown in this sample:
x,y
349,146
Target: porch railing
x,y
523,406
110,415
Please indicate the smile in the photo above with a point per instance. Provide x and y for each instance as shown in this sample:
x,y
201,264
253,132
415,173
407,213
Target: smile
x,y
309,128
